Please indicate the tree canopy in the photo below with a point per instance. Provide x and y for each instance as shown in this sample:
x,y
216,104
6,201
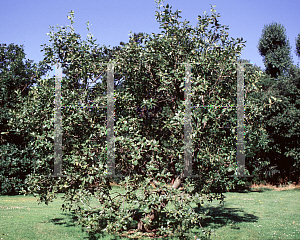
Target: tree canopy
x,y
275,49
149,124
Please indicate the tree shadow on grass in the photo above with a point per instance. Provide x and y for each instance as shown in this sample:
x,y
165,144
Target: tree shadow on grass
x,y
68,221
223,216
97,236
248,190
260,190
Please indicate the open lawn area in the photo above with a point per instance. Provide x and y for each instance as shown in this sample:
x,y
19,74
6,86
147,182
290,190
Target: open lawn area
x,y
261,213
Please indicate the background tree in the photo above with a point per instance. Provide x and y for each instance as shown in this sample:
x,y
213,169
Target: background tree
x,y
17,74
281,118
298,45
282,113
275,49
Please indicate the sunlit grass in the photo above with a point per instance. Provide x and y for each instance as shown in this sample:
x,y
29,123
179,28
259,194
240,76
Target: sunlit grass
x,y
262,213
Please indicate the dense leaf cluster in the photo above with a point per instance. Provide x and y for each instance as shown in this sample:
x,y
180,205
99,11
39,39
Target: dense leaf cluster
x,y
17,75
275,49
281,114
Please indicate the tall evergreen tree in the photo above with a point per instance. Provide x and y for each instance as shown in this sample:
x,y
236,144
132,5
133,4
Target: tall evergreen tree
x,y
275,49
298,45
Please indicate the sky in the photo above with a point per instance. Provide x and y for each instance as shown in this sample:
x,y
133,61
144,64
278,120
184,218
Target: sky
x,y
27,22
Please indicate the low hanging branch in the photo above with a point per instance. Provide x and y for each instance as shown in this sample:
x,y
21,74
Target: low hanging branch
x,y
136,215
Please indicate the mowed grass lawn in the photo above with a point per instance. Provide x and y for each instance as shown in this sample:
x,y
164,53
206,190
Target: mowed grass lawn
x,y
257,214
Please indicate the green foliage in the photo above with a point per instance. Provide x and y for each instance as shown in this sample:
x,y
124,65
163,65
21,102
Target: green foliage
x,y
282,123
256,138
281,112
17,76
273,137
298,45
149,76
15,166
149,124
275,49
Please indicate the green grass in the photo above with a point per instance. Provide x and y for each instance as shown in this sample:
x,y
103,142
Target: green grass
x,y
264,214
22,218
